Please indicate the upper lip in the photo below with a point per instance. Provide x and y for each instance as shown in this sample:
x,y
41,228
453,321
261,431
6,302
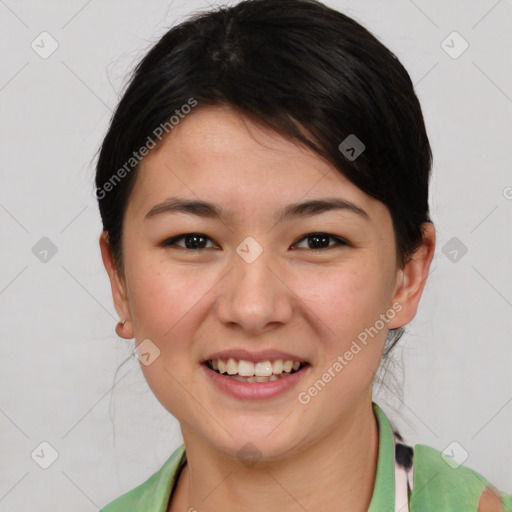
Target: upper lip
x,y
255,357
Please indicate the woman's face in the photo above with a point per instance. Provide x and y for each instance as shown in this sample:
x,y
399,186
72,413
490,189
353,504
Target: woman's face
x,y
255,283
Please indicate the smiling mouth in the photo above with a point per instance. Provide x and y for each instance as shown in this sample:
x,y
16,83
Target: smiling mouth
x,y
264,371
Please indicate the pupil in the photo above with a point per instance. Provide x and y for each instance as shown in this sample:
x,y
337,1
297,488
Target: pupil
x,y
195,244
317,237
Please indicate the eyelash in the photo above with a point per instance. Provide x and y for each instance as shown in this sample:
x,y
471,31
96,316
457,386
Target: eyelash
x,y
172,241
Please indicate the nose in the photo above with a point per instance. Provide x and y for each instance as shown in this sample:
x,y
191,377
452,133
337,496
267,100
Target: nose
x,y
254,296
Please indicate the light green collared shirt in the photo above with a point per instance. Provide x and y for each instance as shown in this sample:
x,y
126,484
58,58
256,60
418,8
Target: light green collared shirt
x,y
437,485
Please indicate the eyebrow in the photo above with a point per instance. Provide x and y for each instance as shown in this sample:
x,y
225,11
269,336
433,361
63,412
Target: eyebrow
x,y
210,210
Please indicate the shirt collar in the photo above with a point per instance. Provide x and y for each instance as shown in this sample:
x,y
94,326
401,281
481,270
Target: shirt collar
x,y
383,497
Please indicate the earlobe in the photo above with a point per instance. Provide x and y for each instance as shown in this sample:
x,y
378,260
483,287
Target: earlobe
x,y
119,296
412,279
124,329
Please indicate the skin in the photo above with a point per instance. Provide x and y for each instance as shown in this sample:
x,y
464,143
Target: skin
x,y
312,303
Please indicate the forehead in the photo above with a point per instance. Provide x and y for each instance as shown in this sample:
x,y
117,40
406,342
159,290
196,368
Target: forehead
x,y
218,155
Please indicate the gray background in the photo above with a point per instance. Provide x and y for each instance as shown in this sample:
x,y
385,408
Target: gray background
x,y
58,348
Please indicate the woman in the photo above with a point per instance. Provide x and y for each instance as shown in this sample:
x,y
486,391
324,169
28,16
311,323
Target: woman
x,y
263,188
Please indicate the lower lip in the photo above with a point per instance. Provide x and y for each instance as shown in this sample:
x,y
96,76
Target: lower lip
x,y
255,390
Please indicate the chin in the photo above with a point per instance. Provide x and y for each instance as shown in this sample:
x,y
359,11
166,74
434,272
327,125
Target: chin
x,y
255,444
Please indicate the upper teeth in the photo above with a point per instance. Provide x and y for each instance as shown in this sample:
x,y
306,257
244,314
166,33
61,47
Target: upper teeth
x,y
249,369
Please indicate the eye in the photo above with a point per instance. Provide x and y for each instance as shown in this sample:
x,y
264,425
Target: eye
x,y
320,239
193,241
196,241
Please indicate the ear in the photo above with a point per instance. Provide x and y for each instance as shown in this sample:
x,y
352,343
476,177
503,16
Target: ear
x,y
411,279
118,286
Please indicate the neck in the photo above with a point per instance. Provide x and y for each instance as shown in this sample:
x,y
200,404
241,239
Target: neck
x,y
340,467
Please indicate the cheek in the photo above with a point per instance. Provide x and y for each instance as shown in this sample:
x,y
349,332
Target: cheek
x,y
346,299
349,303
158,296
162,300
165,302
168,302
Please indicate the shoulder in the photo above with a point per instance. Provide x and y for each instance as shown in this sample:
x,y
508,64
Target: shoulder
x,y
128,501
153,494
135,499
440,483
